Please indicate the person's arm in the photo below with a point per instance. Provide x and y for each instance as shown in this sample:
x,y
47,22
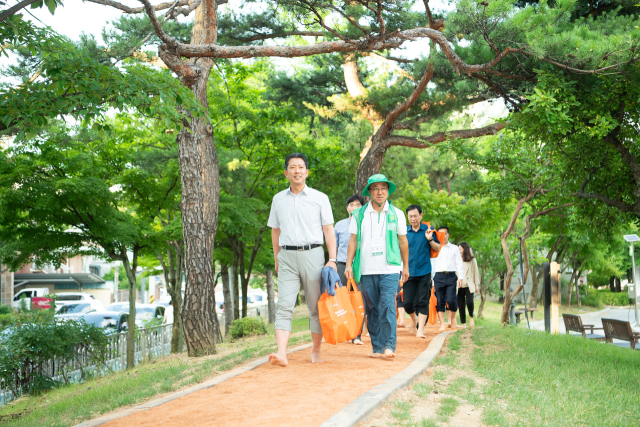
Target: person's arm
x,y
330,240
433,240
404,252
476,273
351,254
275,241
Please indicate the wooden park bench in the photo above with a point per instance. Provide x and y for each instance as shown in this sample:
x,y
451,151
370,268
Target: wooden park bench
x,y
620,330
521,311
574,323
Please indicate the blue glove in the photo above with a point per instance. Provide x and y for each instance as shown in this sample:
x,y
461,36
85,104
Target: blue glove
x,y
329,278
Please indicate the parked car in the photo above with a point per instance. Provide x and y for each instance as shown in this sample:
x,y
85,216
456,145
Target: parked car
x,y
73,311
63,298
25,297
143,311
112,321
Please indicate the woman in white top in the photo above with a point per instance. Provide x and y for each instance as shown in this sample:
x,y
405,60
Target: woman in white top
x,y
470,281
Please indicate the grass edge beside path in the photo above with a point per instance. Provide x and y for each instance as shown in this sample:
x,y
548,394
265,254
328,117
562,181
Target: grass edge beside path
x,y
73,404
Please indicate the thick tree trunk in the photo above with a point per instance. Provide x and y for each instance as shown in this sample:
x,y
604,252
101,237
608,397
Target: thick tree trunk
x,y
270,297
226,291
371,163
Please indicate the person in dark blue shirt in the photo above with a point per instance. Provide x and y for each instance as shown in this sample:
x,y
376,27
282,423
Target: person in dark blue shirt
x,y
417,288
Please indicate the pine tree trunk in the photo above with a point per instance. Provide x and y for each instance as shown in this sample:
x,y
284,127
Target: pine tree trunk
x,y
270,297
371,163
235,286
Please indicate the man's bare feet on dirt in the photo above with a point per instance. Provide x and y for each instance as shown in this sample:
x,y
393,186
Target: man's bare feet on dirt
x,y
276,360
442,328
388,354
420,334
413,329
471,324
401,325
315,358
375,355
357,342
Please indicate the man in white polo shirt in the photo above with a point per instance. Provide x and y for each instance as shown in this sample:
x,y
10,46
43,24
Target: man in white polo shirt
x,y
449,274
299,218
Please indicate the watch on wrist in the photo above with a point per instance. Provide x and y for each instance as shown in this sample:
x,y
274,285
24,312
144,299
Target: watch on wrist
x,y
429,240
332,260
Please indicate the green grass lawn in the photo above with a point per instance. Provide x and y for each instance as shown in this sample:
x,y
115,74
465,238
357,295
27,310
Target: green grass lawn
x,y
518,377
69,405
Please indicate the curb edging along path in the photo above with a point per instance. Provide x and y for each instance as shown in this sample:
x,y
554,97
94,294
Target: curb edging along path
x,y
364,406
207,384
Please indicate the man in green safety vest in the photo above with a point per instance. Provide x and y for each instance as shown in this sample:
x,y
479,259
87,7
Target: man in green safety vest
x,y
378,254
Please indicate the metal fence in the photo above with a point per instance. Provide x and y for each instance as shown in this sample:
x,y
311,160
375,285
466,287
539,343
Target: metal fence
x,y
150,343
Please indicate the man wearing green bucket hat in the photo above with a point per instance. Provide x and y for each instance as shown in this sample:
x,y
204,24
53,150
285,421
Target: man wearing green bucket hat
x,y
378,252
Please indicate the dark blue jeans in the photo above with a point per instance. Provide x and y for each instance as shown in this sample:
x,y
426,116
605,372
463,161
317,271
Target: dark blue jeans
x,y
380,307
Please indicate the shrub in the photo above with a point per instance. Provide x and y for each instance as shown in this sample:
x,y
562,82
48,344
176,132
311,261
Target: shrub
x,y
247,327
613,298
33,339
5,309
593,300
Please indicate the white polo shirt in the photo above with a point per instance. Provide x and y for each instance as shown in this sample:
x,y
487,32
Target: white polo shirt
x,y
373,230
300,217
449,259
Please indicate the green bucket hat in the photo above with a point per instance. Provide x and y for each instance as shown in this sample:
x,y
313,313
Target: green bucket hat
x,y
378,178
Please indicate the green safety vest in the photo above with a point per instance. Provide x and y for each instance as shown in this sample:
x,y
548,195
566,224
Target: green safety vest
x,y
393,247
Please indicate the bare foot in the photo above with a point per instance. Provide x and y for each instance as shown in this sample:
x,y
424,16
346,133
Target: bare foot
x,y
464,325
412,330
421,334
388,354
402,325
375,355
315,358
358,342
442,328
276,360
471,323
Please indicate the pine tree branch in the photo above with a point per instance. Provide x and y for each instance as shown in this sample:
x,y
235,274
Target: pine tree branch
x,y
425,142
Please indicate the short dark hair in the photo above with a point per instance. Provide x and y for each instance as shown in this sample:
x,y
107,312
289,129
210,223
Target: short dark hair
x,y
356,198
412,207
296,156
467,256
444,227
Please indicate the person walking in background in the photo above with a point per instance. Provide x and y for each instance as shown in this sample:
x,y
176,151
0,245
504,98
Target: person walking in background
x,y
299,218
417,289
378,252
470,282
448,277
342,242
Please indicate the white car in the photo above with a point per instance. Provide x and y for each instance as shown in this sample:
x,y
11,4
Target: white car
x,y
143,311
74,310
64,298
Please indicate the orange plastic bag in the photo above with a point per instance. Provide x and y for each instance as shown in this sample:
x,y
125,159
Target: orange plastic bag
x,y
439,236
401,299
337,318
433,312
355,297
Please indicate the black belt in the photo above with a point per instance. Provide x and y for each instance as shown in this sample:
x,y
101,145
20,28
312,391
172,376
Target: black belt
x,y
340,262
446,272
301,248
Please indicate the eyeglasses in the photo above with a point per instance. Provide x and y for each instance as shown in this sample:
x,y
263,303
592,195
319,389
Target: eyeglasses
x,y
354,205
378,189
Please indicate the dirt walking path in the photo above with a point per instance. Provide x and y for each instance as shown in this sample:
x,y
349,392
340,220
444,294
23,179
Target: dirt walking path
x,y
303,394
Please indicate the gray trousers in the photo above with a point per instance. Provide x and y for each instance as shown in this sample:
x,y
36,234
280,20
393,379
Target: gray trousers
x,y
295,267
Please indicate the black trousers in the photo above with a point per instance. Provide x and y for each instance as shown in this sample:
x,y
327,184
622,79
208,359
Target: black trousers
x,y
416,294
445,285
463,293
